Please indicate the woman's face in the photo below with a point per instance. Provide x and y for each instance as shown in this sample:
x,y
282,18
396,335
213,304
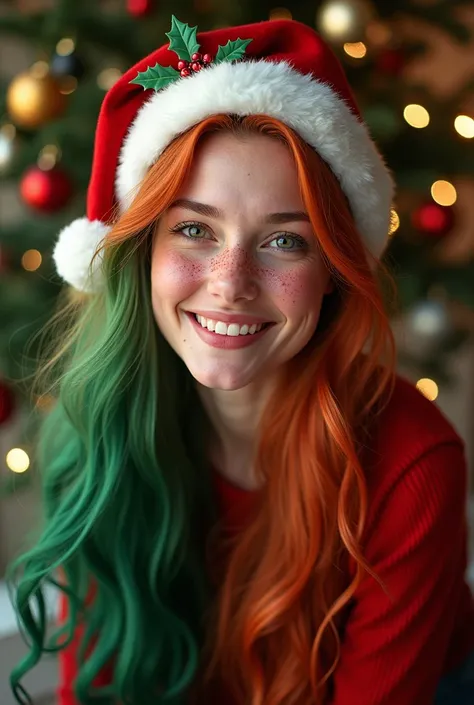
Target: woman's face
x,y
237,249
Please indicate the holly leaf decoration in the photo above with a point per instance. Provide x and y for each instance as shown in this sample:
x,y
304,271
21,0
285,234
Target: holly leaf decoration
x,y
232,51
156,77
183,40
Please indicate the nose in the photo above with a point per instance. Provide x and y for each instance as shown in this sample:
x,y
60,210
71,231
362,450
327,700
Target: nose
x,y
233,276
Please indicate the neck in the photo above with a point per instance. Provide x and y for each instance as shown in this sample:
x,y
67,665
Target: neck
x,y
235,418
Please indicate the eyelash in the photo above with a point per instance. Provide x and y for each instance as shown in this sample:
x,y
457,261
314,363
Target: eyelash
x,y
177,229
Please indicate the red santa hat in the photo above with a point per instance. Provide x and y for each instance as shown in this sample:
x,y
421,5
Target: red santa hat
x,y
282,69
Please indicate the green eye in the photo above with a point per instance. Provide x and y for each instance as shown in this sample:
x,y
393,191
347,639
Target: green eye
x,y
193,230
190,231
287,242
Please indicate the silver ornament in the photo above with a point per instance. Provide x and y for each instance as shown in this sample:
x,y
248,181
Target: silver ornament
x,y
7,146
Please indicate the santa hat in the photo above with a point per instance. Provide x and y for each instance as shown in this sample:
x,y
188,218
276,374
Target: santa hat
x,y
279,68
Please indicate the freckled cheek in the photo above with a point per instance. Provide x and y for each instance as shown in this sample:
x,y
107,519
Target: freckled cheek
x,y
175,276
295,291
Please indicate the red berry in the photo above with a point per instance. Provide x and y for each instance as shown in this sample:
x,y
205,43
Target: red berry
x,y
185,72
207,58
196,66
182,65
196,56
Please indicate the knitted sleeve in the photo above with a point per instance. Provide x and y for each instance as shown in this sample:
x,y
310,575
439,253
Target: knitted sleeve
x,y
67,662
396,639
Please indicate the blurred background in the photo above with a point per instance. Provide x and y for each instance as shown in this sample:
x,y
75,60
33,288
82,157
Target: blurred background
x,y
411,65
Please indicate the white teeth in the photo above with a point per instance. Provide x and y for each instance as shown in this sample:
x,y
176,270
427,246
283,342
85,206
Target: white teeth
x,y
232,329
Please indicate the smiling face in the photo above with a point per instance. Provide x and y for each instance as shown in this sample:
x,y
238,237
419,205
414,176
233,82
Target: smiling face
x,y
237,248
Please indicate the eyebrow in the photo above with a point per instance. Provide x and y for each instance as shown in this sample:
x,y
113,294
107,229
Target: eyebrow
x,y
213,212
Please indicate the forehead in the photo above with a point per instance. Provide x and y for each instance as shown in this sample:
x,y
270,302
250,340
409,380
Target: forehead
x,y
255,170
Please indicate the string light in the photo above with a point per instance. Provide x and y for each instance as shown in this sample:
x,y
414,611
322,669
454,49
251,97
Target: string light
x,y
48,157
45,402
40,69
8,146
337,20
343,20
394,222
8,131
444,193
65,46
428,388
17,460
280,13
356,50
464,126
31,260
107,78
416,115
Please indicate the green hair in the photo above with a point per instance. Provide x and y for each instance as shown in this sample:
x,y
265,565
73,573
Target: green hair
x,y
126,491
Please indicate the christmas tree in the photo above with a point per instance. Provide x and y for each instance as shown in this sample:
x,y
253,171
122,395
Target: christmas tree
x,y
48,114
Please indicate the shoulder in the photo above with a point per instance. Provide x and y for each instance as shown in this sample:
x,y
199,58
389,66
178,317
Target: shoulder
x,y
409,438
410,425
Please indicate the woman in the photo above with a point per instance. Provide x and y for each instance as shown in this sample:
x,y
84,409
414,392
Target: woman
x,y
243,502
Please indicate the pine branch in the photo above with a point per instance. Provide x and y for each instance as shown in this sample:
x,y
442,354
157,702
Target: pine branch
x,y
111,33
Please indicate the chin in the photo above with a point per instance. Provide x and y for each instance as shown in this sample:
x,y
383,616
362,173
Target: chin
x,y
221,379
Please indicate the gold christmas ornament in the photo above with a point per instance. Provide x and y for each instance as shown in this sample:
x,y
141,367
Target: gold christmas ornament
x,y
34,98
344,20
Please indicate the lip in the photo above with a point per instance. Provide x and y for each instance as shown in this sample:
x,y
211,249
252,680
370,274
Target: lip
x,y
239,318
226,342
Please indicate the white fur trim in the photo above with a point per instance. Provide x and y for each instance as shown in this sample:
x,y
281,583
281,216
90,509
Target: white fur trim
x,y
311,108
74,250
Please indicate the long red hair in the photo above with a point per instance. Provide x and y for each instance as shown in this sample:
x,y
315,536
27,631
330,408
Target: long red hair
x,y
293,570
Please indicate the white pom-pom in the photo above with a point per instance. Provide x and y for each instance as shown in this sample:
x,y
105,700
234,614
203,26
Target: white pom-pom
x,y
73,254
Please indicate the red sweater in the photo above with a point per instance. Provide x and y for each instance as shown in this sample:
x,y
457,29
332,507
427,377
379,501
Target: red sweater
x,y
397,646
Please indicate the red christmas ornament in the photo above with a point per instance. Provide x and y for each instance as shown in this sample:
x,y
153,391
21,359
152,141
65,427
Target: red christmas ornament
x,y
46,191
391,61
7,402
433,220
140,8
